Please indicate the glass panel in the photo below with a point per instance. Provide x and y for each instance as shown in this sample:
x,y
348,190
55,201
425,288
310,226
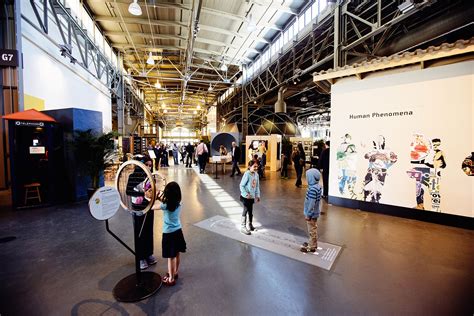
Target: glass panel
x,y
307,16
300,23
286,37
314,9
322,5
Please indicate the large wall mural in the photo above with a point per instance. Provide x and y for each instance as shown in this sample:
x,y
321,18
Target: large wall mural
x,y
397,139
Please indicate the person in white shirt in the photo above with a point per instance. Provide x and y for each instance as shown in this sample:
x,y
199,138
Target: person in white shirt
x,y
201,152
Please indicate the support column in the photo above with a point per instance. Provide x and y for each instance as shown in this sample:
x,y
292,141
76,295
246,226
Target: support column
x,y
337,35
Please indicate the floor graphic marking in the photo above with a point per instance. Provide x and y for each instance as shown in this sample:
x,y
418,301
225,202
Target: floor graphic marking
x,y
272,240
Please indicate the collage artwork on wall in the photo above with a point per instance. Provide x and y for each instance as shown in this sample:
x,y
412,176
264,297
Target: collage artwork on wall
x,y
410,152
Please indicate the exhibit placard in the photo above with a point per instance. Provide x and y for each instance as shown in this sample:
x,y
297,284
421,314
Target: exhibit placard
x,y
104,203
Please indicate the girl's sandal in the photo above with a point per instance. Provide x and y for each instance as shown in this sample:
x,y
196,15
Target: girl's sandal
x,y
166,280
175,276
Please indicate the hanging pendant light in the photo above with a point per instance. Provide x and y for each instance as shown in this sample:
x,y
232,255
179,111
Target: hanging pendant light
x,y
150,60
210,88
224,67
134,8
158,84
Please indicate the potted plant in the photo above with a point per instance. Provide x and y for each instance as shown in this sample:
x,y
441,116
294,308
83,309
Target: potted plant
x,y
94,152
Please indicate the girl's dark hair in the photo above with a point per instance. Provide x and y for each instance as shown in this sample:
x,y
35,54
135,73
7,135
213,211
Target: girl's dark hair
x,y
172,196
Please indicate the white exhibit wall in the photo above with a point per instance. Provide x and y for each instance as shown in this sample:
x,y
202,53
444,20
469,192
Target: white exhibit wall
x,y
435,103
50,77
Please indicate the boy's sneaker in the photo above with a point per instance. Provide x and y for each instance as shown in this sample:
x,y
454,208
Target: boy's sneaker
x,y
143,265
151,260
307,249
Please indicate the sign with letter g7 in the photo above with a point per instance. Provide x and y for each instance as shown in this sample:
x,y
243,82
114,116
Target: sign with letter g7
x,y
8,58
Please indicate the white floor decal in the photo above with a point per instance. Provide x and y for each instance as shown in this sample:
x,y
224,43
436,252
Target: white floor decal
x,y
272,240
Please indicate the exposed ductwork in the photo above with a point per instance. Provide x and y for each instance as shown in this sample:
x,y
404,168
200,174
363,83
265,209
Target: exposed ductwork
x,y
280,105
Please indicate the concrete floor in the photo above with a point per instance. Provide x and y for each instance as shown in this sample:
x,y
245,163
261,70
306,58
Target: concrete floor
x,y
63,262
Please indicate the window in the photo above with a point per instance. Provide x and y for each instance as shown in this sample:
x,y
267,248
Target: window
x,y
87,23
107,51
273,49
314,9
307,16
286,37
300,23
322,5
292,30
99,39
279,44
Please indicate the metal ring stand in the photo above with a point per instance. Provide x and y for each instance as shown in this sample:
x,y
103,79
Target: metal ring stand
x,y
139,285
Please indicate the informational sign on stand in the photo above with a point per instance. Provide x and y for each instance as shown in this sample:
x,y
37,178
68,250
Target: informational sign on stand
x,y
151,153
104,203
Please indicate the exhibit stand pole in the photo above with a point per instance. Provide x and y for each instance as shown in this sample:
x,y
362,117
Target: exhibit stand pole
x,y
139,285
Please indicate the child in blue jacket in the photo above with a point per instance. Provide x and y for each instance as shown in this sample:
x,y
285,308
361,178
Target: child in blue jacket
x,y
312,209
249,194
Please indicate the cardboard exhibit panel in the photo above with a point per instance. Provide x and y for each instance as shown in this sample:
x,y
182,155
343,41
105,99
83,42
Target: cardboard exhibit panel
x,y
405,139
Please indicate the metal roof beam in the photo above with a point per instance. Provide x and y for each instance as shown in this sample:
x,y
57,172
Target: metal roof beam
x,y
149,3
146,35
168,36
104,18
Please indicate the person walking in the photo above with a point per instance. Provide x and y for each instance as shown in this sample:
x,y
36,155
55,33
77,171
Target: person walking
x,y
235,159
284,166
175,154
189,155
299,159
249,194
324,167
201,151
312,210
172,242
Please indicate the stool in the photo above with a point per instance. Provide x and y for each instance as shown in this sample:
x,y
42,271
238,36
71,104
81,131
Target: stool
x,y
32,192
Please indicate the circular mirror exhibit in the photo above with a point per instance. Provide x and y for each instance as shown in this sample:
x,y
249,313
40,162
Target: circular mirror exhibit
x,y
136,187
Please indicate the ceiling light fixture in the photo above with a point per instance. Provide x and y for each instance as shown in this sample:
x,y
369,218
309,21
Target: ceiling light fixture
x,y
165,111
150,60
158,84
134,8
251,25
210,88
195,112
224,67
198,107
163,105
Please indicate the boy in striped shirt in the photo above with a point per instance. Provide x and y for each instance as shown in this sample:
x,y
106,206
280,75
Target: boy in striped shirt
x,y
312,209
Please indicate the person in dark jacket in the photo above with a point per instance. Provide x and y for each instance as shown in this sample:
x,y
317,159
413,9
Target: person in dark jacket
x,y
235,160
138,187
324,167
299,159
189,155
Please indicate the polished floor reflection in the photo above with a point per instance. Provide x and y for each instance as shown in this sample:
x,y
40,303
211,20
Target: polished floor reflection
x,y
63,261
